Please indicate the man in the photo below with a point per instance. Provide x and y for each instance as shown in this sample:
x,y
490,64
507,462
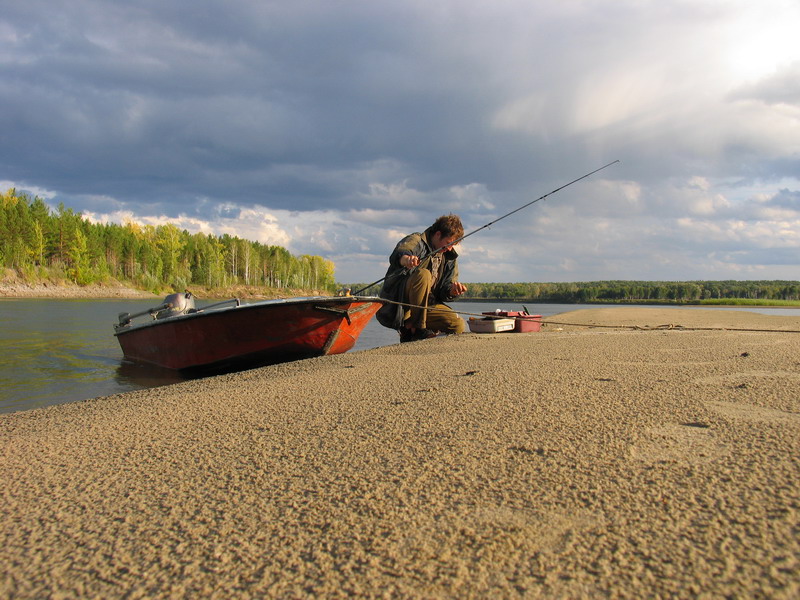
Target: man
x,y
423,273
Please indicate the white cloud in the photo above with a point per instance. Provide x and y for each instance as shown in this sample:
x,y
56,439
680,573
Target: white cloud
x,y
250,224
42,193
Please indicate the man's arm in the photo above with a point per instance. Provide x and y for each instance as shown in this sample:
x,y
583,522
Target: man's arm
x,y
407,252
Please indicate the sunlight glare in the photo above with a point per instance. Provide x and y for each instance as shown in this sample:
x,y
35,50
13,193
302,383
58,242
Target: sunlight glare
x,y
763,42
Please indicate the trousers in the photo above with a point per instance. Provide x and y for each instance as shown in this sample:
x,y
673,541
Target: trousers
x,y
436,317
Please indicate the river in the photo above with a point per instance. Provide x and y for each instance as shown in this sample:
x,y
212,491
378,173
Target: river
x,y
57,351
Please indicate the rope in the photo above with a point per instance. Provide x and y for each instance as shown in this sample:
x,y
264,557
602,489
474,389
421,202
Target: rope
x,y
667,327
458,312
671,326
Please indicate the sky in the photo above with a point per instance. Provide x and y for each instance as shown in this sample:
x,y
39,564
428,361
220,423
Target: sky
x,y
336,127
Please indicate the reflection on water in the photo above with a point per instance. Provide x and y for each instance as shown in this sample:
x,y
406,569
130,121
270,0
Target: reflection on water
x,y
57,351
132,375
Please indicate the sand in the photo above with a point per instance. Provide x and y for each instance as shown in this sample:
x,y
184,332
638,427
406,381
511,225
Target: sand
x,y
15,288
575,462
12,286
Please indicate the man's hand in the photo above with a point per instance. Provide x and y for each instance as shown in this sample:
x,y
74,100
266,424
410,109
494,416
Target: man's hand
x,y
456,289
409,261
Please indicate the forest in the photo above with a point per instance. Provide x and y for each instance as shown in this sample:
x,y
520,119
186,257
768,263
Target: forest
x,y
635,292
679,292
41,244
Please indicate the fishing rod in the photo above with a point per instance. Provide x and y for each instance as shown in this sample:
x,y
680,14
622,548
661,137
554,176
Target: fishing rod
x,y
516,210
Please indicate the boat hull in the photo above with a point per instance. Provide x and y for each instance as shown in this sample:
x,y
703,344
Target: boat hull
x,y
255,334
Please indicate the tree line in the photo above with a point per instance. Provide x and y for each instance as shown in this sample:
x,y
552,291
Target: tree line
x,y
40,243
631,291
638,291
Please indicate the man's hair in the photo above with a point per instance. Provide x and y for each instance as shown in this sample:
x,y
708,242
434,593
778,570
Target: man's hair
x,y
449,225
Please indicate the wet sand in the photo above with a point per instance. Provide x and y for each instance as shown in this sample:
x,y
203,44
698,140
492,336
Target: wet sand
x,y
575,462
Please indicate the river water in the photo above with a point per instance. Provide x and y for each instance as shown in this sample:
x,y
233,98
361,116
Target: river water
x,y
57,351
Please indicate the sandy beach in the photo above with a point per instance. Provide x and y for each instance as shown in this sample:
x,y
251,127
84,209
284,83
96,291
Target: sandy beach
x,y
579,462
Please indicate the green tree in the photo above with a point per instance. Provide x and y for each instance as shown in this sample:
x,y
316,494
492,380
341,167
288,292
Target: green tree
x,y
78,256
170,242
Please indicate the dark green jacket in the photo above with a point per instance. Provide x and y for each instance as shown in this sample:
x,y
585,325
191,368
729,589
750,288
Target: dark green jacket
x,y
394,285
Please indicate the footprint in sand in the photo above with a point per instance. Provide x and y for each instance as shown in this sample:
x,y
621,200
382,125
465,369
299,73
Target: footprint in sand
x,y
735,379
750,412
691,443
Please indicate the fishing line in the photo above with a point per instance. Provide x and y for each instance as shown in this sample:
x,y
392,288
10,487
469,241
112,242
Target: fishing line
x,y
516,210
448,310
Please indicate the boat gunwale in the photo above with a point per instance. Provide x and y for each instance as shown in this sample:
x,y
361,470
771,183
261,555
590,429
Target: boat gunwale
x,y
259,304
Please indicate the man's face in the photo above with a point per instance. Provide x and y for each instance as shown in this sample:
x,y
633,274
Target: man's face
x,y
442,241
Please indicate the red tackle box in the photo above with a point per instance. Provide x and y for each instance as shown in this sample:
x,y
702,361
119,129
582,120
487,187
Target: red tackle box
x,y
523,322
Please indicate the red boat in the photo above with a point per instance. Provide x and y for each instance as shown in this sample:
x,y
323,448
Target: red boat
x,y
231,334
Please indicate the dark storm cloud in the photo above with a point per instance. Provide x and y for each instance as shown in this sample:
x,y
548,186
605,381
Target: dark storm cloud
x,y
358,120
258,103
287,104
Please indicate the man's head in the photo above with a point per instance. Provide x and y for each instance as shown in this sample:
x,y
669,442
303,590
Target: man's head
x,y
446,230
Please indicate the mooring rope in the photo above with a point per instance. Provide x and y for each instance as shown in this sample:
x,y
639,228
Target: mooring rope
x,y
671,326
666,327
459,312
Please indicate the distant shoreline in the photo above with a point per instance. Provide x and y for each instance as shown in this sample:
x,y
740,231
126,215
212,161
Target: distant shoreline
x,y
71,291
731,302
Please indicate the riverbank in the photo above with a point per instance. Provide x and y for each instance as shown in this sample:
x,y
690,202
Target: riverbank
x,y
576,462
12,285
16,288
69,291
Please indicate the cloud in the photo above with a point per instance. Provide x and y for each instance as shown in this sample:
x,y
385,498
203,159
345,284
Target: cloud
x,y
339,127
779,87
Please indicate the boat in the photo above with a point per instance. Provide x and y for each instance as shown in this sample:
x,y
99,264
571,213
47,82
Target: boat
x,y
231,334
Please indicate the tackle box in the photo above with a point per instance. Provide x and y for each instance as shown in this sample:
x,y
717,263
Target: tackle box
x,y
489,325
523,322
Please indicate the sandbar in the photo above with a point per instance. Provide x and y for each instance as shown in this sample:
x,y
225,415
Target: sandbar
x,y
655,458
